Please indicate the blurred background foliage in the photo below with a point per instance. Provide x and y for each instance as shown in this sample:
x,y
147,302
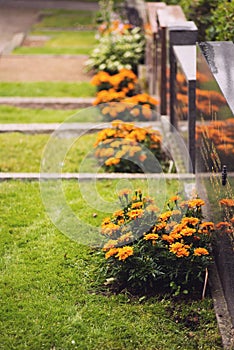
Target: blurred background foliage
x,y
214,18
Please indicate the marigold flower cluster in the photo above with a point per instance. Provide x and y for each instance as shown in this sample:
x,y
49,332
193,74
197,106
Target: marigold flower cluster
x,y
124,81
117,97
179,230
126,148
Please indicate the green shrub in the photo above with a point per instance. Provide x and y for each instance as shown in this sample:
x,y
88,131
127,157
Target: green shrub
x,y
222,18
117,51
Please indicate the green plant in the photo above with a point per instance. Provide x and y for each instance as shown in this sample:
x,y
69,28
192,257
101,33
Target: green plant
x,y
118,51
148,251
222,17
128,148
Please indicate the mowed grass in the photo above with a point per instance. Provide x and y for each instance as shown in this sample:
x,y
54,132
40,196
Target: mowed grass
x,y
49,288
10,114
60,42
61,18
24,152
47,89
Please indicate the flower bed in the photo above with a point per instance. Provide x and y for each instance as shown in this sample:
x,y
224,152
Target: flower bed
x,y
128,148
148,251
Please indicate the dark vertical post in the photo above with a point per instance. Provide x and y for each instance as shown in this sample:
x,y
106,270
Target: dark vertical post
x,y
163,82
173,68
192,123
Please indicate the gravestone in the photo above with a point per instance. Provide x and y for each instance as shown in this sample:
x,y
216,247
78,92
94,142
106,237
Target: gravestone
x,y
170,15
215,151
183,105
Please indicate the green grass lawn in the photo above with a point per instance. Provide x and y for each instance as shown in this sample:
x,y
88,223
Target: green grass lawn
x,y
47,89
10,114
60,18
49,289
62,43
23,153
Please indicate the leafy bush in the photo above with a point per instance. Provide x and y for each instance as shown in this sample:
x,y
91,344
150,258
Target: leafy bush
x,y
128,148
148,251
117,51
222,18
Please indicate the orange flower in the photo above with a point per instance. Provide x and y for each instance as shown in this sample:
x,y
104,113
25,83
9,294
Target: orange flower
x,y
190,220
133,214
151,236
228,202
207,225
195,203
137,205
112,161
200,251
187,231
111,252
179,249
168,238
124,253
118,213
165,216
174,199
222,224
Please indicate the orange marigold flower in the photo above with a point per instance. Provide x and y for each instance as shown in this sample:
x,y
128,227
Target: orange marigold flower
x,y
137,205
165,216
151,236
195,203
124,253
228,202
106,221
111,252
133,214
187,231
174,199
207,225
112,161
169,238
190,220
200,251
118,213
179,249
222,224
160,226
